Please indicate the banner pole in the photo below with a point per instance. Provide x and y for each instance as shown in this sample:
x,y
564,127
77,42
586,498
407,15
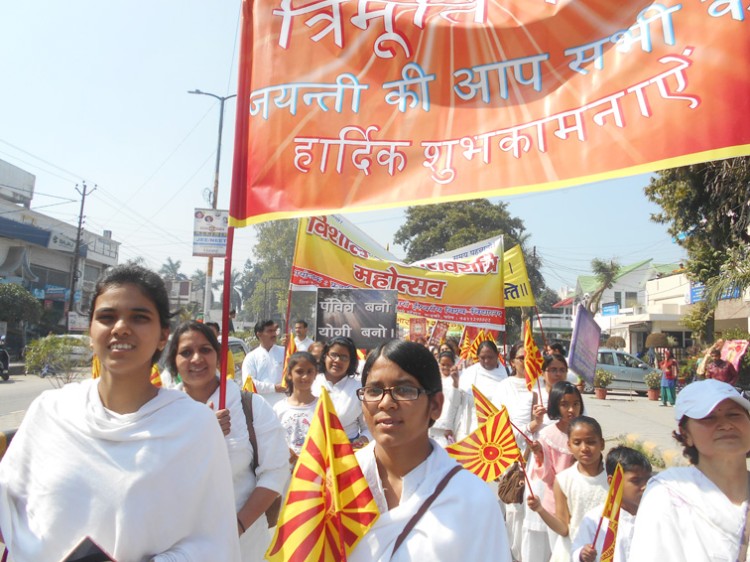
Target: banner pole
x,y
541,328
226,298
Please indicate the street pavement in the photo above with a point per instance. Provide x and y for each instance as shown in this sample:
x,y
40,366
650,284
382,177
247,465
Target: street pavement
x,y
639,419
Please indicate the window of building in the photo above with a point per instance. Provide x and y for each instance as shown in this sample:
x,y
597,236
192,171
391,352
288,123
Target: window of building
x,y
631,300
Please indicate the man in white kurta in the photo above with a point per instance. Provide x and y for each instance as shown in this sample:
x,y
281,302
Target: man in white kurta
x,y
151,485
301,339
265,363
464,523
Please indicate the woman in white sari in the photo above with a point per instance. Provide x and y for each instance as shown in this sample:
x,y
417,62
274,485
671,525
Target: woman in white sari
x,y
194,354
141,471
401,398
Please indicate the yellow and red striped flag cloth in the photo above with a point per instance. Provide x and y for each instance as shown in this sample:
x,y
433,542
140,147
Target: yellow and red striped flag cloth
x,y
612,513
154,377
484,407
329,506
490,450
532,362
291,349
249,385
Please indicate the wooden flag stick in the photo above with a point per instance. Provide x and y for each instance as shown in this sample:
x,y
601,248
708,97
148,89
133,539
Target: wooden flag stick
x,y
539,386
598,528
514,426
528,482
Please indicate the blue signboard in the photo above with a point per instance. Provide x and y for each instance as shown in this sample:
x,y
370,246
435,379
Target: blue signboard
x,y
610,309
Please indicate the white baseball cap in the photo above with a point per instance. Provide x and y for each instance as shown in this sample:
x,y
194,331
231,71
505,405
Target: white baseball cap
x,y
699,399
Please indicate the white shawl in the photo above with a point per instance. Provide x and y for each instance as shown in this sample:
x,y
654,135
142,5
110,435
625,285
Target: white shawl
x,y
684,516
151,485
464,522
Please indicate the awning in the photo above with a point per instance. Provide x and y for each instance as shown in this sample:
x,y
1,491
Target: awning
x,y
563,303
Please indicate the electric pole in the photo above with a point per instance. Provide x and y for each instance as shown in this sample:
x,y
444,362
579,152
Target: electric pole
x,y
74,272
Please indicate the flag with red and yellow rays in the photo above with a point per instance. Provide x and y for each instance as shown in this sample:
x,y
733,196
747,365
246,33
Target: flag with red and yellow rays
x,y
532,362
291,349
484,407
329,506
612,513
490,450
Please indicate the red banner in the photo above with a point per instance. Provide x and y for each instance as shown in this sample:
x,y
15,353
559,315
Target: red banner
x,y
368,104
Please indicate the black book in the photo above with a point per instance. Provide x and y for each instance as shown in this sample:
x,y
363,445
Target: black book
x,y
88,551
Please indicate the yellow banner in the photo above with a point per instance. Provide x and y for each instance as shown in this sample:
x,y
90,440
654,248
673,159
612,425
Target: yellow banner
x,y
517,286
332,252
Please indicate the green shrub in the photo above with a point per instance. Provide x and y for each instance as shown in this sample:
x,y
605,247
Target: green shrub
x,y
602,378
652,380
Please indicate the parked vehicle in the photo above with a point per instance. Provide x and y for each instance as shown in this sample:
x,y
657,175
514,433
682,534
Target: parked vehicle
x,y
4,360
628,370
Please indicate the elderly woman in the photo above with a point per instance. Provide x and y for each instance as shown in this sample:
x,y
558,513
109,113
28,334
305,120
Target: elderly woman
x,y
431,508
700,512
194,355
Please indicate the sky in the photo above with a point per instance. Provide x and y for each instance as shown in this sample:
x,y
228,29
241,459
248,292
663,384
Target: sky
x,y
96,91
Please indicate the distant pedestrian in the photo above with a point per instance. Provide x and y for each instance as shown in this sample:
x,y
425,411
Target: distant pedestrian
x,y
668,378
721,370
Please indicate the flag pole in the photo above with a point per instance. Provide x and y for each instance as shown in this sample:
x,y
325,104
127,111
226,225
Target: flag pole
x,y
541,328
539,386
526,477
514,426
240,174
598,528
226,298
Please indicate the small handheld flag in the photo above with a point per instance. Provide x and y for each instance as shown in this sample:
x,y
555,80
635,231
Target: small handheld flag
x,y
612,513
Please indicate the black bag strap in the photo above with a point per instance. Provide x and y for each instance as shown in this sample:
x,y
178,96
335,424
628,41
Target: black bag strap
x,y
247,407
424,507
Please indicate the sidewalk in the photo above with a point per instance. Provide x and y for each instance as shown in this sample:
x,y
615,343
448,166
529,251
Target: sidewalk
x,y
641,420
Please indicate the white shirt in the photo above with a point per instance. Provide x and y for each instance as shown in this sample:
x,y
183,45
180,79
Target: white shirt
x,y
265,367
683,516
487,382
303,345
348,407
464,523
587,530
296,421
76,469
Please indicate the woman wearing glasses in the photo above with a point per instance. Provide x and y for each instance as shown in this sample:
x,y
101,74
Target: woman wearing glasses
x,y
338,374
431,509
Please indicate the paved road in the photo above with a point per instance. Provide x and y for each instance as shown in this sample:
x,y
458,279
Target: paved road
x,y
15,396
643,419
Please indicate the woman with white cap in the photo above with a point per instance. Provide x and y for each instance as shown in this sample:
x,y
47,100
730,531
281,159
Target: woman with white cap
x,y
700,512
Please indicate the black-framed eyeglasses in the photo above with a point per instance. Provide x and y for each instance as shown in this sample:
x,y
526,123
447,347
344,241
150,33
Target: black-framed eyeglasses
x,y
338,356
400,393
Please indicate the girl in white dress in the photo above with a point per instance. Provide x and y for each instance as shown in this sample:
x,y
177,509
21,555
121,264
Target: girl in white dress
x,y
577,489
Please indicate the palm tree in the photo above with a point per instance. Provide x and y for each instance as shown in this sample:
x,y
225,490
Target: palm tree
x,y
171,270
734,275
605,273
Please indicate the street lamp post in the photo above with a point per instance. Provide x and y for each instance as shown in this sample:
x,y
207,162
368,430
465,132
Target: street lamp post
x,y
210,266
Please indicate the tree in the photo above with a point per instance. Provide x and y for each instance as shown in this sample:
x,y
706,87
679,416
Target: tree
x,y
605,273
706,209
433,229
171,270
267,280
18,305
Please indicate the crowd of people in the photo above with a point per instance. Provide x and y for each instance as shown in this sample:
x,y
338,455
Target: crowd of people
x,y
164,474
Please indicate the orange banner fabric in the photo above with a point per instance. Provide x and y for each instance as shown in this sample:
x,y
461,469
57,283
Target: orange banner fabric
x,y
368,104
332,252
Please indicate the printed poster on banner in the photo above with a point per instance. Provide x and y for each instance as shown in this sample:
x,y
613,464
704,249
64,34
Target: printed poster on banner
x,y
412,102
438,333
584,345
732,351
333,253
417,329
210,233
366,316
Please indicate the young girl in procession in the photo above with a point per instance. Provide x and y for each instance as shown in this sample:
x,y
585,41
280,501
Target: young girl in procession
x,y
194,355
527,415
339,377
551,457
115,458
700,512
297,411
577,489
444,429
636,471
401,398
